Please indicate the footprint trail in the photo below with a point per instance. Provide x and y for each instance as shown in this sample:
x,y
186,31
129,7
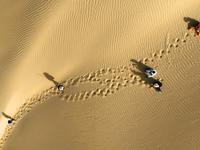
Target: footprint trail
x,y
109,81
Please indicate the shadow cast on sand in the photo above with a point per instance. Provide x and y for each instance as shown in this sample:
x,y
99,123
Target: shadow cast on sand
x,y
7,116
191,22
51,78
142,67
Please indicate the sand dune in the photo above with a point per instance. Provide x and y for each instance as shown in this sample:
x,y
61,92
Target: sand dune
x,y
99,50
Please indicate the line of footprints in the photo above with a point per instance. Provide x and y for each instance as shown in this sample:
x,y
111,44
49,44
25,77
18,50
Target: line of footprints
x,y
109,80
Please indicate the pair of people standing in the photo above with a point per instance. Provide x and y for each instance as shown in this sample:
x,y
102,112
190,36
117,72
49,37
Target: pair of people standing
x,y
156,85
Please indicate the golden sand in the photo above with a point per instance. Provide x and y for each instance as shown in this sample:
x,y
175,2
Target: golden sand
x,y
98,50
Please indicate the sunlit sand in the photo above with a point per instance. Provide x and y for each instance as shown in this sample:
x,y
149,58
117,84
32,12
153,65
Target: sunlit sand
x,y
98,51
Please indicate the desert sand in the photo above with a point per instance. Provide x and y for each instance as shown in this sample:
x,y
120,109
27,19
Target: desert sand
x,y
98,50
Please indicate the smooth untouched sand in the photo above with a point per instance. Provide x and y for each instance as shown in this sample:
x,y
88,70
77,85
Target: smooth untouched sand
x,y
99,50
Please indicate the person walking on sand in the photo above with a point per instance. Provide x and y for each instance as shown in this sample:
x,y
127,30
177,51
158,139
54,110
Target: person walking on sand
x,y
156,86
151,73
197,28
60,87
11,121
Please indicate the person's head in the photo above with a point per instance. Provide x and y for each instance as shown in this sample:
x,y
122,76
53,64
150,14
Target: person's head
x,y
153,72
61,88
156,85
10,121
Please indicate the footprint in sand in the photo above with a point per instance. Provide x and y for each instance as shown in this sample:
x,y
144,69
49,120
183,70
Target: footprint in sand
x,y
186,35
177,40
183,40
175,45
170,46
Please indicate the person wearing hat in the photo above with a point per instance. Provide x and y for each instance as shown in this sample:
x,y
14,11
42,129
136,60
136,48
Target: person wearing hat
x,y
156,86
60,87
151,73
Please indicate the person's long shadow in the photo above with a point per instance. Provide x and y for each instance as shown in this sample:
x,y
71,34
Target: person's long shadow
x,y
142,67
51,78
191,22
7,116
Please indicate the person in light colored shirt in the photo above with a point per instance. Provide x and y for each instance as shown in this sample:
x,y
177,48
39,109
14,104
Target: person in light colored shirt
x,y
60,87
151,73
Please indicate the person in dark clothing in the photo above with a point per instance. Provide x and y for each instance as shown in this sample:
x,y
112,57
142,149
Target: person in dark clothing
x,y
156,86
11,121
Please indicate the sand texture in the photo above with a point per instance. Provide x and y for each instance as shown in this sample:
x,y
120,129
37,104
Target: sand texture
x,y
98,50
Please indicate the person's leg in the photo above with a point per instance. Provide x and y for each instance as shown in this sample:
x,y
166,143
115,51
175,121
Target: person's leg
x,y
12,119
197,30
58,86
151,85
197,26
150,75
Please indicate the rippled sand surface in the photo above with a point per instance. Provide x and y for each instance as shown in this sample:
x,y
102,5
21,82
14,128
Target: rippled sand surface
x,y
98,50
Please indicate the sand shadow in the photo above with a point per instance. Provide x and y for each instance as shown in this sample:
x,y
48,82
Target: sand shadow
x,y
191,22
51,78
142,67
6,116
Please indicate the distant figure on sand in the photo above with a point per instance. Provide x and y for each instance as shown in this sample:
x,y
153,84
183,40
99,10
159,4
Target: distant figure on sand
x,y
60,87
157,86
10,121
197,28
150,73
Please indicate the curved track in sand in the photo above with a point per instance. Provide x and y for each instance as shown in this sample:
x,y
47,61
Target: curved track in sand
x,y
107,81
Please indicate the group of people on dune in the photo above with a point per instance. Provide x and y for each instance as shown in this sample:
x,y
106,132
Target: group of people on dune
x,y
156,85
150,73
